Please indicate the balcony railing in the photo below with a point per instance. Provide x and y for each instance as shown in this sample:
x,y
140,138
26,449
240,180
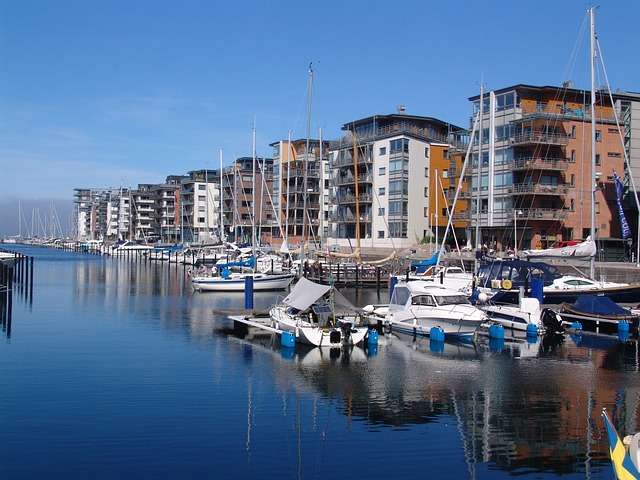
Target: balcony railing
x,y
539,163
531,214
539,138
538,189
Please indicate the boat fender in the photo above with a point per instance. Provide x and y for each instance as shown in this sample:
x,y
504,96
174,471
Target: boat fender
x,y
623,326
436,334
576,326
506,284
532,329
496,331
372,337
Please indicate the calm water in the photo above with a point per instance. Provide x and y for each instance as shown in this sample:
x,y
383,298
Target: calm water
x,y
116,369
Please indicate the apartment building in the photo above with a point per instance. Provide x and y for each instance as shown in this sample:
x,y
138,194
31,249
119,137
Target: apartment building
x,y
390,181
300,191
530,172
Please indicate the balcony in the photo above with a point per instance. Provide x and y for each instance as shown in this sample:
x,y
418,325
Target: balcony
x,y
539,138
542,214
538,189
462,195
539,163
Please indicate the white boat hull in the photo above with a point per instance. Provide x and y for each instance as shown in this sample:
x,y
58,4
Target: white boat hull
x,y
237,283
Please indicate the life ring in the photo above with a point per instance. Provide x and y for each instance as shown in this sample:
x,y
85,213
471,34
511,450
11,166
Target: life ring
x,y
506,284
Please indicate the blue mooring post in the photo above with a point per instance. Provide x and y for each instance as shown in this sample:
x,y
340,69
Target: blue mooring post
x,y
536,289
248,293
392,284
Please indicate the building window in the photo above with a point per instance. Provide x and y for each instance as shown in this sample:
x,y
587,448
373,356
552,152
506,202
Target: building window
x,y
201,187
614,154
598,135
381,212
382,171
445,173
597,207
445,212
426,191
201,198
573,180
426,212
597,159
383,150
573,131
381,191
400,145
573,156
572,205
380,233
445,154
426,152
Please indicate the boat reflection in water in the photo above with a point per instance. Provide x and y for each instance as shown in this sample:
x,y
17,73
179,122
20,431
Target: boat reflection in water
x,y
495,399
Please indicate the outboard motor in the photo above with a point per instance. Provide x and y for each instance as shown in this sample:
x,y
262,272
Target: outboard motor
x,y
551,322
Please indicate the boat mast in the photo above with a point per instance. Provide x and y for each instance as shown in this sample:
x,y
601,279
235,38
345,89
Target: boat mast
x,y
305,160
479,180
437,195
286,214
253,203
222,235
593,139
355,174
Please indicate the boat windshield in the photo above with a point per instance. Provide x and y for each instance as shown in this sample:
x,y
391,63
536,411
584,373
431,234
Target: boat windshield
x,y
452,300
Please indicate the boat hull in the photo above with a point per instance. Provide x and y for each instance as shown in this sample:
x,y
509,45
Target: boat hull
x,y
420,321
238,284
624,294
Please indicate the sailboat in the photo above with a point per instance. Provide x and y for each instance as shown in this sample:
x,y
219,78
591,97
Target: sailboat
x,y
233,276
504,278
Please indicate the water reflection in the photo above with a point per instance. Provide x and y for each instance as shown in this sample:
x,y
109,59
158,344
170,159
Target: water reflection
x,y
519,406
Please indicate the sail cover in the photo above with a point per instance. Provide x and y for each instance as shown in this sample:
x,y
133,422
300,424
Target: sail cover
x,y
583,249
304,293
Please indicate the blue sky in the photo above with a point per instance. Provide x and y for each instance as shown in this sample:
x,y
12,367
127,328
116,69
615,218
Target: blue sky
x,y
99,93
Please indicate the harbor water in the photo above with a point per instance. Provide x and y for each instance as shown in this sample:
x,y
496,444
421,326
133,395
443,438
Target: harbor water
x,y
114,368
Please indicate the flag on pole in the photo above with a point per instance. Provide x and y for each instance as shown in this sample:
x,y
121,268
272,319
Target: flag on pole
x,y
626,231
622,464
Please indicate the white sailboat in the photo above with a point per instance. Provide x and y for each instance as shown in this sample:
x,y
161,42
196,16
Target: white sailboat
x,y
233,276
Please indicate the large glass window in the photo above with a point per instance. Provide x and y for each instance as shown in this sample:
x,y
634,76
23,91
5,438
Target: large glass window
x,y
399,165
397,187
400,145
398,208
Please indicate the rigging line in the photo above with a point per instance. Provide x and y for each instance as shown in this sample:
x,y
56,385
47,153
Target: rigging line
x,y
627,162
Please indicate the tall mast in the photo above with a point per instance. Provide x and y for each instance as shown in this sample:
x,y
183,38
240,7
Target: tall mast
x,y
206,204
593,138
253,189
222,235
286,214
355,174
479,181
437,195
305,159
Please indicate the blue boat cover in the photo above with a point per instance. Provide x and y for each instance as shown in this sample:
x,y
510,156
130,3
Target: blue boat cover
x,y
596,305
421,267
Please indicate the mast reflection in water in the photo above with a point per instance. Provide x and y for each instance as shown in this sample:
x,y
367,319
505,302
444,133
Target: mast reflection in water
x,y
117,369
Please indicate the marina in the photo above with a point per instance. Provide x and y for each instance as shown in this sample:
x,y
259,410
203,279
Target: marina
x,y
118,368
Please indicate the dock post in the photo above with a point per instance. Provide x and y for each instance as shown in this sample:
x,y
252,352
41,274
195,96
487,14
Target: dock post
x,y
248,293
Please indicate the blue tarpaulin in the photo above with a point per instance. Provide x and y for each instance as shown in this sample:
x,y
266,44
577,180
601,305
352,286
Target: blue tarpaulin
x,y
596,305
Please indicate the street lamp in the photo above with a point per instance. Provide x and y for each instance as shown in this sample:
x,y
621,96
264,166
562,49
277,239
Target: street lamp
x,y
515,231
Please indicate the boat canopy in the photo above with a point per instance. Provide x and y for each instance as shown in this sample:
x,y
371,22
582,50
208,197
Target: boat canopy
x,y
250,263
304,293
421,267
598,306
519,272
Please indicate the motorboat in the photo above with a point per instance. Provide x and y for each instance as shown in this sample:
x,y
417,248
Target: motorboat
x,y
599,314
502,280
527,316
416,307
452,277
318,315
